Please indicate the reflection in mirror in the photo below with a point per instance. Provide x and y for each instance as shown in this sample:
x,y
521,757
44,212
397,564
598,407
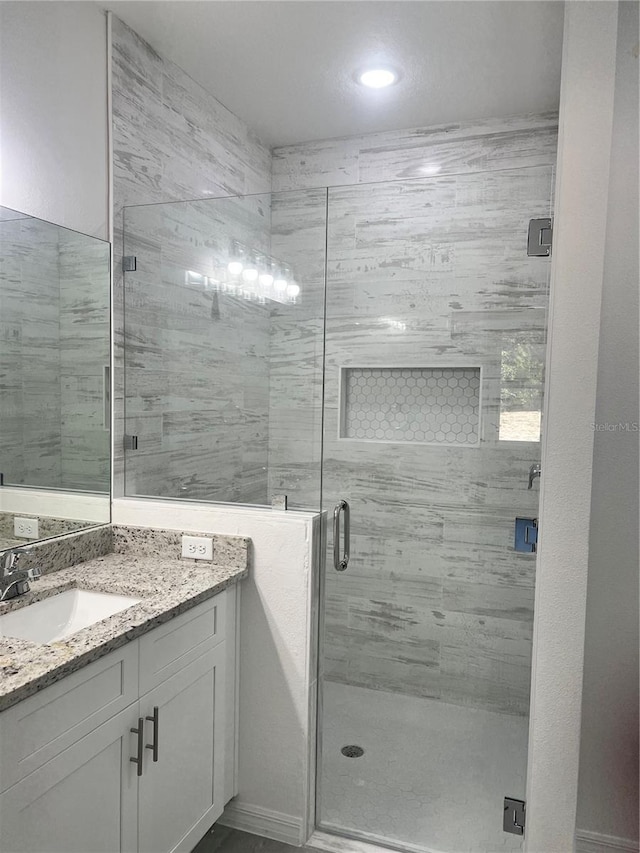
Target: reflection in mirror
x,y
54,379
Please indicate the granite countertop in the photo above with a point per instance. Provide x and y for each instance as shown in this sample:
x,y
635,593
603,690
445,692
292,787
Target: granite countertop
x,y
166,586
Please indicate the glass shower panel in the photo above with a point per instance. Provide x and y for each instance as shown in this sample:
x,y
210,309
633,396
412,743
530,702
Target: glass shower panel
x,y
435,330
223,300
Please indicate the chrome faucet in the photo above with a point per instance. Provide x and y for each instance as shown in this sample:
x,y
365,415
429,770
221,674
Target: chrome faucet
x,y
14,581
534,471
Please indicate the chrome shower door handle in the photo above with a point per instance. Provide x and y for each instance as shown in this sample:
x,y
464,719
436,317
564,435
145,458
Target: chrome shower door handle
x,y
340,563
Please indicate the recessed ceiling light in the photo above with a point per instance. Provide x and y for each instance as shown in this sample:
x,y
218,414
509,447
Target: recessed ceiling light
x,y
378,78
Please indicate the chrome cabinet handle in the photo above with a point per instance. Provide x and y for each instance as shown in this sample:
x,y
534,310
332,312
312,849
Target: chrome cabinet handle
x,y
139,731
341,563
155,719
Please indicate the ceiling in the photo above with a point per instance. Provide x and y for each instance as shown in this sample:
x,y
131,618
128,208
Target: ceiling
x,y
287,67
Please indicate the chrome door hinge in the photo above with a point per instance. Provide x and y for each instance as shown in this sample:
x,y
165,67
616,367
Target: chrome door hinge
x,y
130,442
129,263
539,239
514,816
526,535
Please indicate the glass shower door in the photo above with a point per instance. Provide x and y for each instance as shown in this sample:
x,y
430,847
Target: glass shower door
x,y
435,341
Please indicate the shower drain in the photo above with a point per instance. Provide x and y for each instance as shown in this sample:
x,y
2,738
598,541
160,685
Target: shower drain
x,y
352,751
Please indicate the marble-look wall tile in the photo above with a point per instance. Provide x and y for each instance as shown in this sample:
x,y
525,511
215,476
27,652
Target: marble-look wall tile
x,y
298,233
477,146
172,141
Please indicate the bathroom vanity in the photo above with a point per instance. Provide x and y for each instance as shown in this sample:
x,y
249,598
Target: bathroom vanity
x,y
120,737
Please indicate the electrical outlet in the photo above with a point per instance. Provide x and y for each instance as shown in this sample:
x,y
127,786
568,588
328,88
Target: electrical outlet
x,y
197,548
25,528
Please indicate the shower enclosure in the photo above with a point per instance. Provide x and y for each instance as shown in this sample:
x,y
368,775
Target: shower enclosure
x,y
380,345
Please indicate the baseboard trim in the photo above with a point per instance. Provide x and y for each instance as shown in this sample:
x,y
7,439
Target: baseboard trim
x,y
258,821
595,842
329,843
288,829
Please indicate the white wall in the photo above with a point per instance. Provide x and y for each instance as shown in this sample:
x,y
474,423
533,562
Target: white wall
x,y
277,666
608,789
53,113
70,505
584,146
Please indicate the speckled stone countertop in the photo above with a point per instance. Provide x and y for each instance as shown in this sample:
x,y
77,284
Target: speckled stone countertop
x,y
166,584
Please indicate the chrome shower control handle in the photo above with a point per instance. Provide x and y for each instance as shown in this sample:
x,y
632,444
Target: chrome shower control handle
x,y
534,471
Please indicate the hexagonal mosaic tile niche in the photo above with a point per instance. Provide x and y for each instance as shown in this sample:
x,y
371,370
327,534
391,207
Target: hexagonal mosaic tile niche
x,y
425,405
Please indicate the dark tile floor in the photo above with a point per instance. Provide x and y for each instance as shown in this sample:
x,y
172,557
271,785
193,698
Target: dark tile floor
x,y
221,839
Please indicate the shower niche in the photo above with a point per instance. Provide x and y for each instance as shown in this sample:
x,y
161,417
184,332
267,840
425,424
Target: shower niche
x,y
423,405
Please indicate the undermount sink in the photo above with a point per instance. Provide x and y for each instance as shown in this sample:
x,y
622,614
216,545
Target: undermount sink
x,y
62,615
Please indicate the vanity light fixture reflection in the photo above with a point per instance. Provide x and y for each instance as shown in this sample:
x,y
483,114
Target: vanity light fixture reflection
x,y
250,274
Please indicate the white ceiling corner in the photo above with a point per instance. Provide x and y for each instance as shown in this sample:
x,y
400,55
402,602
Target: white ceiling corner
x,y
286,67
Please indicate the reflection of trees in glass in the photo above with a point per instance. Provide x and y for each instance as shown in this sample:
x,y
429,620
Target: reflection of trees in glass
x,y
522,376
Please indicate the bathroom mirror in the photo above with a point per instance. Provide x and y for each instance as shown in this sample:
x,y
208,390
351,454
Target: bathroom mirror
x,y
54,379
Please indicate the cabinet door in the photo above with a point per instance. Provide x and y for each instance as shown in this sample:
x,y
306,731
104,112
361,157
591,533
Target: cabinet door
x,y
182,794
82,801
41,727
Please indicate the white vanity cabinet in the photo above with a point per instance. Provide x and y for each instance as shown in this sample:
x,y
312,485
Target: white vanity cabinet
x,y
66,775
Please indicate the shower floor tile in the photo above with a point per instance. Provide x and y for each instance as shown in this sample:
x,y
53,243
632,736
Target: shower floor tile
x,y
433,775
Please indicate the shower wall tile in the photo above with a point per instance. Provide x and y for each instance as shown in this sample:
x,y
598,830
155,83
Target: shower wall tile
x,y
298,233
172,141
425,273
478,146
504,602
171,134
